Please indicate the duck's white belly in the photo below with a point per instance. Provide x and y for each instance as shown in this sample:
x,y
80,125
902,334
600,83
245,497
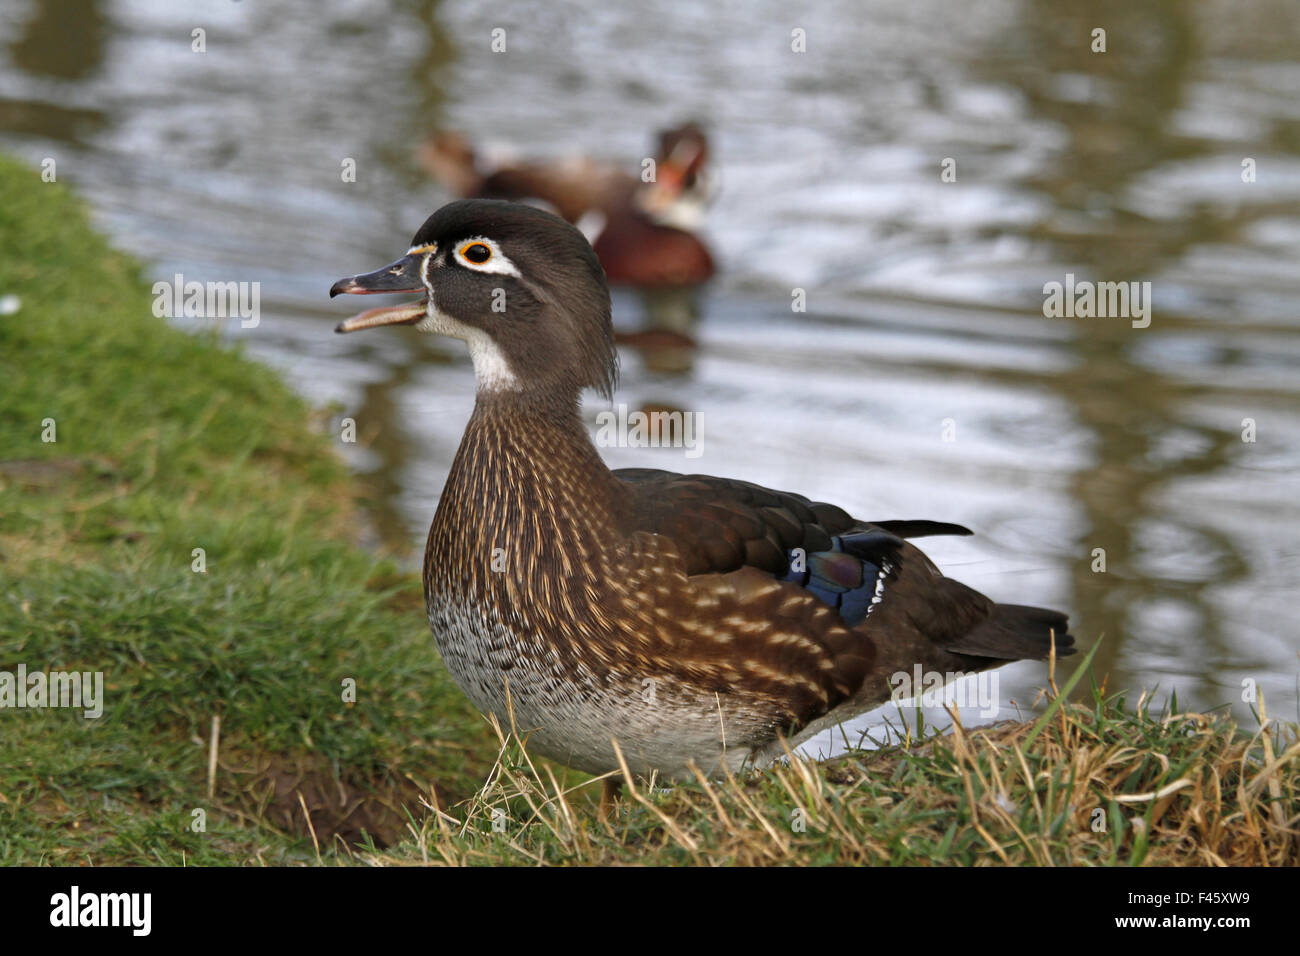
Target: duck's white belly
x,y
570,712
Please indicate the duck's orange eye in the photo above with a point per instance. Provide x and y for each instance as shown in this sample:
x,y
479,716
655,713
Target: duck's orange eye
x,y
476,252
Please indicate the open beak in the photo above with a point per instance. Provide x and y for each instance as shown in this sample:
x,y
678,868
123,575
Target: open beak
x,y
400,276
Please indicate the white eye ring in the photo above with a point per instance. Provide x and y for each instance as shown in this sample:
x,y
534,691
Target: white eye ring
x,y
497,263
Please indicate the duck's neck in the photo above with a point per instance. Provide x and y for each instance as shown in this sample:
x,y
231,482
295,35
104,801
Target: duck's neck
x,y
534,437
527,488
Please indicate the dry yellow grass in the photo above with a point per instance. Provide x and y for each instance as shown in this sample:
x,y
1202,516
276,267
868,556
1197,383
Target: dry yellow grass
x,y
1091,786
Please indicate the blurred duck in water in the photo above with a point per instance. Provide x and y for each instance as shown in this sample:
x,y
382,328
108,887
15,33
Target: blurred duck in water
x,y
643,232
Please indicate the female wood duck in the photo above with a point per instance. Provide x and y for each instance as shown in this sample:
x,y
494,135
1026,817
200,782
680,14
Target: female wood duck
x,y
695,620
643,233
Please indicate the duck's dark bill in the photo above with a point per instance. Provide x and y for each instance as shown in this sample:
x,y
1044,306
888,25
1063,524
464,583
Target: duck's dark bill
x,y
406,314
400,276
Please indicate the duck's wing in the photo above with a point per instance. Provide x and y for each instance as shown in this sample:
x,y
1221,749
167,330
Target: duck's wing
x,y
877,582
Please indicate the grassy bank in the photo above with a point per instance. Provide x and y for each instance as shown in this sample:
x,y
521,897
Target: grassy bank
x,y
165,443
1102,785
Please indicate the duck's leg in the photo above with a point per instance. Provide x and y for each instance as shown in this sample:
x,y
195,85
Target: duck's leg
x,y
610,789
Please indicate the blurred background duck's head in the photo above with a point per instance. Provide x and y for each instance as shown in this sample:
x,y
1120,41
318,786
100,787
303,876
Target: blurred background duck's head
x,y
684,183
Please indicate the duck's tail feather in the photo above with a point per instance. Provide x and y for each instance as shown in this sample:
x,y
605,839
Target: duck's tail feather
x,y
1016,632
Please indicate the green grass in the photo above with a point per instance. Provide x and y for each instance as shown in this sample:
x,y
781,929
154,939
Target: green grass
x,y
167,443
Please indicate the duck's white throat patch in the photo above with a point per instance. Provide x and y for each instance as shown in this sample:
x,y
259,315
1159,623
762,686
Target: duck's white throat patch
x,y
492,369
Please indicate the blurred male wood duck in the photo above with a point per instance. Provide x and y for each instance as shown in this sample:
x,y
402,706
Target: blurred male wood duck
x,y
694,620
643,233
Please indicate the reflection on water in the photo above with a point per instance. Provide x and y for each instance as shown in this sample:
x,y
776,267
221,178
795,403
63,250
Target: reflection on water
x,y
924,297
